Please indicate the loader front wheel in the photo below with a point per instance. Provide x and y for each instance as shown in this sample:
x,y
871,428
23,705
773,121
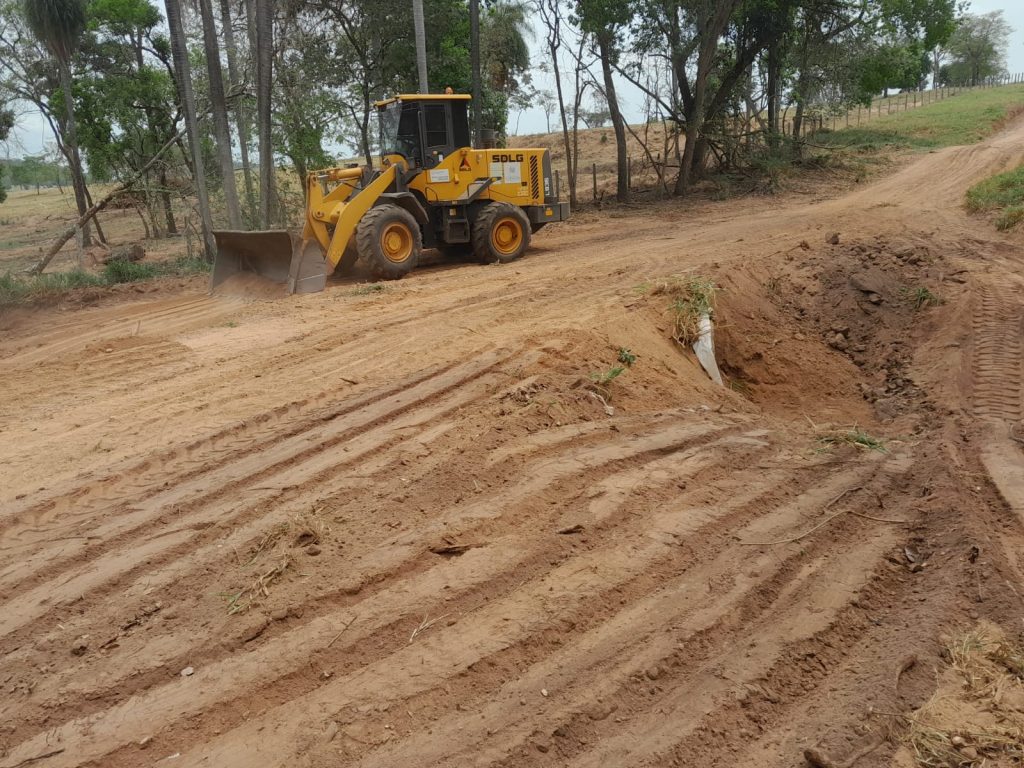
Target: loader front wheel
x,y
389,241
501,232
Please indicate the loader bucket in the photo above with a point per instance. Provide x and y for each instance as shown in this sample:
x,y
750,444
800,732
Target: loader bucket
x,y
250,263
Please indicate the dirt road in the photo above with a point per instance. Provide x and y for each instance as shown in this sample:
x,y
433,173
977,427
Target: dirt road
x,y
390,528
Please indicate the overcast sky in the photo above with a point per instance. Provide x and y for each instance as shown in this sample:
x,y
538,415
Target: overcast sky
x,y
31,134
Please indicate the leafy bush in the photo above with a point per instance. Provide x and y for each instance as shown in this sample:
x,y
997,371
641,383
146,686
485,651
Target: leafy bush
x,y
124,271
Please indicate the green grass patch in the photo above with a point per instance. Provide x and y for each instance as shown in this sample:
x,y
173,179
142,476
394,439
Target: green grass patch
x,y
604,378
964,118
24,289
1003,195
370,289
124,271
17,289
921,297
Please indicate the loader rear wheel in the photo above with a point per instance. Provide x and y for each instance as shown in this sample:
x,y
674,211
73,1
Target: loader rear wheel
x,y
389,241
501,232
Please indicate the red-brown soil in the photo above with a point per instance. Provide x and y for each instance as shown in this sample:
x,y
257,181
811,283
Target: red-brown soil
x,y
399,528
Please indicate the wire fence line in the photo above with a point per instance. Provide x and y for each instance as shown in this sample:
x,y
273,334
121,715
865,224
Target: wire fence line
x,y
592,176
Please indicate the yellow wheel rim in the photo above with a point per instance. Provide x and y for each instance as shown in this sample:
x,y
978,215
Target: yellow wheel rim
x,y
507,236
396,242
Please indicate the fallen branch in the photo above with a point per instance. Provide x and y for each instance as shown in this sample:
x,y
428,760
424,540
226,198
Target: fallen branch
x,y
826,521
341,632
68,233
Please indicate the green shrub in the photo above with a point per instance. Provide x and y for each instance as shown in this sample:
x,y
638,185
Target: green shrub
x,y
124,271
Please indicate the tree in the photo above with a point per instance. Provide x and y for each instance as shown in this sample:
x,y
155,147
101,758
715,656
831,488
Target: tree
x,y
58,25
599,113
241,113
126,103
183,76
305,116
977,49
218,106
604,20
549,105
505,55
264,27
6,123
551,15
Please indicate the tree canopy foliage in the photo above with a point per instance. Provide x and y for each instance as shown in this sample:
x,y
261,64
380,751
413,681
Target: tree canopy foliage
x,y
115,85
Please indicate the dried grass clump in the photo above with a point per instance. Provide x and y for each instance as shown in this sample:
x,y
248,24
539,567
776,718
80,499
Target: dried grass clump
x,y
692,297
277,543
259,588
977,715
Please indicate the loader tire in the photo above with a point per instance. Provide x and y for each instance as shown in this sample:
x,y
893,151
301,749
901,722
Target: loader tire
x,y
389,241
501,232
348,258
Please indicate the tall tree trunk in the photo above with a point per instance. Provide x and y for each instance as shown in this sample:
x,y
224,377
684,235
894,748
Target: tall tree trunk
x,y
421,45
218,105
188,109
774,69
241,116
96,219
570,161
165,201
710,30
604,45
71,146
550,15
264,74
474,67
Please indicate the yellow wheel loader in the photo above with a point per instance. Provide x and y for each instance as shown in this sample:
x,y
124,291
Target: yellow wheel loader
x,y
432,190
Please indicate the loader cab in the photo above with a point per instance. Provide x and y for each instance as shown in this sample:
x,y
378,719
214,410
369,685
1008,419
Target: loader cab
x,y
424,128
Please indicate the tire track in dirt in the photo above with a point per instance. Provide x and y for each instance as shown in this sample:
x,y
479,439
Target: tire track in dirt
x,y
564,577
207,452
170,315
546,600
506,558
543,474
999,324
664,636
295,460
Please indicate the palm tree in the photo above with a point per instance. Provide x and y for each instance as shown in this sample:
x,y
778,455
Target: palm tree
x,y
218,105
421,44
264,24
58,24
183,74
